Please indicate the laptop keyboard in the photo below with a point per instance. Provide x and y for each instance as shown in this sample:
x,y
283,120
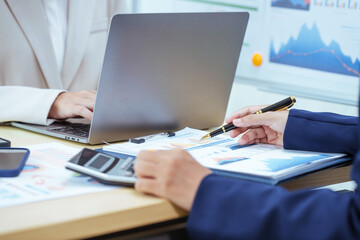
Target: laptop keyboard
x,y
81,130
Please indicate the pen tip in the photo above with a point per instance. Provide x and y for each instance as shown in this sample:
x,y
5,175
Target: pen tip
x,y
205,137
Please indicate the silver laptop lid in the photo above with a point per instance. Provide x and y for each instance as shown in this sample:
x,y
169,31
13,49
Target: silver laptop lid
x,y
165,72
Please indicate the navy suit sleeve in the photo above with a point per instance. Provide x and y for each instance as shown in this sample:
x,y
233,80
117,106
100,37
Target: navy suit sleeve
x,y
227,208
321,132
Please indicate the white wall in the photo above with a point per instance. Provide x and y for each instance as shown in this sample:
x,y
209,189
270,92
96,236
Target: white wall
x,y
149,6
244,95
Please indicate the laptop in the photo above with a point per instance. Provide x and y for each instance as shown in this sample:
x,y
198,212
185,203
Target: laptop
x,y
161,72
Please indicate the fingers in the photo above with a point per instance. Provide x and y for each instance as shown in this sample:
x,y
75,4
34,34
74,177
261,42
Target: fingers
x,y
253,136
73,104
86,99
243,112
145,169
237,131
82,111
173,174
84,104
151,177
262,135
146,185
264,119
274,137
148,156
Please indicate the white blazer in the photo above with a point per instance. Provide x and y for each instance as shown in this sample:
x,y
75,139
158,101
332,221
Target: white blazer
x,y
29,77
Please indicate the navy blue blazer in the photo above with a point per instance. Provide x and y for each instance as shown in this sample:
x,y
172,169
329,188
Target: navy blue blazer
x,y
226,208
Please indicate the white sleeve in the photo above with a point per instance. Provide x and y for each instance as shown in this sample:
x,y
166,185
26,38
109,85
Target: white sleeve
x,y
26,104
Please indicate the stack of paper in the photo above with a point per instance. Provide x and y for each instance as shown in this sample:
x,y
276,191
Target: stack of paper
x,y
259,162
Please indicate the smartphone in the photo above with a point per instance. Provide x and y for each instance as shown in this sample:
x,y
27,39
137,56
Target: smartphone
x,y
4,143
12,161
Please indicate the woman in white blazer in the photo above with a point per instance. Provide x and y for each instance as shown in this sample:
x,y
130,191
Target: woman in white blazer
x,y
34,83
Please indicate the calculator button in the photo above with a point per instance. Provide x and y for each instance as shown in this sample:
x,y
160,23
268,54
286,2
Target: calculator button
x,y
131,168
128,174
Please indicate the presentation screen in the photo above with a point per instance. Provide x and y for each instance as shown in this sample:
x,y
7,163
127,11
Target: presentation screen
x,y
298,47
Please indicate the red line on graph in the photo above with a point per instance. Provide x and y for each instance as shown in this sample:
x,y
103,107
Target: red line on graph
x,y
315,52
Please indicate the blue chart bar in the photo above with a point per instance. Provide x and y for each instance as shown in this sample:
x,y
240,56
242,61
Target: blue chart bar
x,y
340,4
279,164
353,4
236,146
209,144
330,3
293,4
318,3
309,51
224,161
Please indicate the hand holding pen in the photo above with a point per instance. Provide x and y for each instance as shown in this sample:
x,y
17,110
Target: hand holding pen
x,y
261,124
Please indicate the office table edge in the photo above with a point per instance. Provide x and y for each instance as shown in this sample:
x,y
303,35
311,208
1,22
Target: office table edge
x,y
93,215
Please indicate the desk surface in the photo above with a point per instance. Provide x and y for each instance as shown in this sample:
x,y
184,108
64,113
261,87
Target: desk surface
x,y
97,214
79,216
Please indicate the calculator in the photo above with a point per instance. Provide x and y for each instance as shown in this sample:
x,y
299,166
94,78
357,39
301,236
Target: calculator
x,y
105,168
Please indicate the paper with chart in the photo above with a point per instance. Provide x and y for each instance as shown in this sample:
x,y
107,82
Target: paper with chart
x,y
186,138
44,177
224,153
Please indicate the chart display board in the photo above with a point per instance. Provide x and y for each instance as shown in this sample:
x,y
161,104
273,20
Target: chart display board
x,y
306,47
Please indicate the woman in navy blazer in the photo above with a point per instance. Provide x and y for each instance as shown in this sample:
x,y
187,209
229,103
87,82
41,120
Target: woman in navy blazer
x,y
226,208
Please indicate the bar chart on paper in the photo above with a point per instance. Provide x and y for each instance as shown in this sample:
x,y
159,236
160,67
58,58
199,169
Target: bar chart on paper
x,y
275,165
263,162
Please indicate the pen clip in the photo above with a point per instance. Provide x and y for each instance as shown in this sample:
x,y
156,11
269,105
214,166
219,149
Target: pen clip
x,y
286,107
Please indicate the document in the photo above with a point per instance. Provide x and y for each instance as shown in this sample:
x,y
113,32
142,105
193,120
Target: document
x,y
44,177
259,162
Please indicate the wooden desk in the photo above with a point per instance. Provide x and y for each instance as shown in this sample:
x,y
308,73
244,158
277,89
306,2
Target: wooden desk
x,y
81,216
97,214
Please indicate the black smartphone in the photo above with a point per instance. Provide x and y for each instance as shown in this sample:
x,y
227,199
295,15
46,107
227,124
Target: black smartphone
x,y
4,143
12,161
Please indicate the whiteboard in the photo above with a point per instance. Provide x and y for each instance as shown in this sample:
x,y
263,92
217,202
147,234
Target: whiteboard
x,y
307,47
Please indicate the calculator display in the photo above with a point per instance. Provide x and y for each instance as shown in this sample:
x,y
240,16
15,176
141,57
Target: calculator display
x,y
94,160
99,161
83,157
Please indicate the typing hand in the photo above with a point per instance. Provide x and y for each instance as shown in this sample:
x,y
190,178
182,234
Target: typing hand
x,y
267,127
73,104
172,174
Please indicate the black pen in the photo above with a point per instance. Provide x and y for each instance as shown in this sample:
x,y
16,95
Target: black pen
x,y
281,105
